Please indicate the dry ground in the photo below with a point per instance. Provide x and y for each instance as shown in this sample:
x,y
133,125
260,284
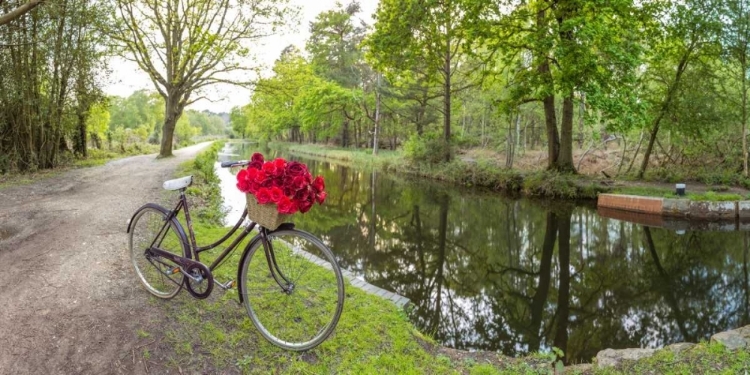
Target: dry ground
x,y
69,302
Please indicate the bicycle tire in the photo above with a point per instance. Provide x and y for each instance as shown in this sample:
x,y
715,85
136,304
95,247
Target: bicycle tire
x,y
155,273
317,297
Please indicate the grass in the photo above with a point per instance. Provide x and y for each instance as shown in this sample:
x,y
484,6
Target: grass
x,y
708,196
703,358
373,337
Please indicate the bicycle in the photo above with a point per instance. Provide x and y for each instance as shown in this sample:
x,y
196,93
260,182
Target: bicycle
x,y
294,294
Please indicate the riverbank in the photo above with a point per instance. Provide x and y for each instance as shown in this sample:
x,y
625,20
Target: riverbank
x,y
485,173
377,337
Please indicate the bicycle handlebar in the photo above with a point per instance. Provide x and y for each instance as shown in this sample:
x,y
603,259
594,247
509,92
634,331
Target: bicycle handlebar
x,y
236,163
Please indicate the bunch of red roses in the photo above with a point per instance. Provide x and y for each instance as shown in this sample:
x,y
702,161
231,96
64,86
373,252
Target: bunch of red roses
x,y
287,184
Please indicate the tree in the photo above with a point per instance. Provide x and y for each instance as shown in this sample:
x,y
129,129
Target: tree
x,y
334,43
238,120
689,31
554,50
97,123
736,43
48,58
415,33
187,45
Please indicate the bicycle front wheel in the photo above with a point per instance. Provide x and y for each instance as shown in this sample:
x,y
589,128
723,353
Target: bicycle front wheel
x,y
292,289
150,228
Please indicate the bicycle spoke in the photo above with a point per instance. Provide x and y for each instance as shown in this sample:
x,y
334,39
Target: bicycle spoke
x,y
149,227
304,316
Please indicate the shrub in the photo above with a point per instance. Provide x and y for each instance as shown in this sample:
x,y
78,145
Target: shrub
x,y
429,148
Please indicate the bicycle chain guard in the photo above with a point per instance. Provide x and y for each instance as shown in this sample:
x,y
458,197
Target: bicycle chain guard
x,y
196,269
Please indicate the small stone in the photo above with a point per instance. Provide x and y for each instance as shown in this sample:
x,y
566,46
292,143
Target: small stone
x,y
680,347
732,340
611,357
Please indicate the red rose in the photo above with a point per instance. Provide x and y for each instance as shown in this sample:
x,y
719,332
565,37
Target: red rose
x,y
280,165
321,197
269,168
298,183
302,194
305,206
296,168
243,185
242,182
257,157
250,174
263,196
255,164
287,206
276,194
319,184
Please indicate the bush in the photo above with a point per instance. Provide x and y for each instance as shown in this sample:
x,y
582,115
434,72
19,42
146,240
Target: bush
x,y
429,148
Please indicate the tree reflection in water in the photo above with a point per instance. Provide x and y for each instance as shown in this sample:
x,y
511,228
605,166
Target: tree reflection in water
x,y
490,273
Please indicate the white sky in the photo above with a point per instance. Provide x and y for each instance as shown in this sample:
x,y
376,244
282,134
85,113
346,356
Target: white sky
x,y
127,78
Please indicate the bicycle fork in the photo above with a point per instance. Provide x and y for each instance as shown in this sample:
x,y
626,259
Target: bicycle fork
x,y
286,285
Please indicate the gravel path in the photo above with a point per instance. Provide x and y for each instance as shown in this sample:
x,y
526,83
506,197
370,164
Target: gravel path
x,y
69,302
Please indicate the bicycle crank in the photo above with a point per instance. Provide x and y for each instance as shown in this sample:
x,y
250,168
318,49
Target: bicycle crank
x,y
200,281
198,278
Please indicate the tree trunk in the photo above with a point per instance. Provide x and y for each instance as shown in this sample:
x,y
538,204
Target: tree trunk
x,y
80,144
743,60
671,93
377,118
553,140
447,101
581,116
171,115
565,157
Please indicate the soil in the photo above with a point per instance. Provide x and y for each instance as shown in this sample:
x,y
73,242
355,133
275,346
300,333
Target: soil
x,y
70,301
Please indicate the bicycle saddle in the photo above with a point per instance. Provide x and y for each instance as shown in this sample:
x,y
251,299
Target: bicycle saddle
x,y
178,183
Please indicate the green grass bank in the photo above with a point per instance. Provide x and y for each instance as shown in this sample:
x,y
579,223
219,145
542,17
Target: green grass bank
x,y
372,337
486,174
470,173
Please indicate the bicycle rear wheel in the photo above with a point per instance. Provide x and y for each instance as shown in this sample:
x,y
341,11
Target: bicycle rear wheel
x,y
297,304
149,228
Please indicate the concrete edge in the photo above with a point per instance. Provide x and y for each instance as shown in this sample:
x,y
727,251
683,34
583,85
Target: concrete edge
x,y
682,208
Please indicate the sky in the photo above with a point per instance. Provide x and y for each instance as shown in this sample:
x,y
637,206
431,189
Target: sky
x,y
126,77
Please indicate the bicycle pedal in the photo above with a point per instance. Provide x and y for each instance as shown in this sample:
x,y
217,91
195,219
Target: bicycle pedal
x,y
228,285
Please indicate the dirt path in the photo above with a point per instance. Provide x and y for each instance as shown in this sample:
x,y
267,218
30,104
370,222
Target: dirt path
x,y
69,302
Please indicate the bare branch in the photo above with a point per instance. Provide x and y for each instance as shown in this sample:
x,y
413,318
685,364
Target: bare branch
x,y
19,11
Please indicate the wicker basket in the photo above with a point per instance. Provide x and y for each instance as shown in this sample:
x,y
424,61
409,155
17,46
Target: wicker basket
x,y
265,215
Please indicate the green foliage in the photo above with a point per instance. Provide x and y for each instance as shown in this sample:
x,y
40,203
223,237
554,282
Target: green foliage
x,y
205,191
430,148
49,59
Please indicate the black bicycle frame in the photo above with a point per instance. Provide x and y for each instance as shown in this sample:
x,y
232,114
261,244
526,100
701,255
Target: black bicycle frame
x,y
195,250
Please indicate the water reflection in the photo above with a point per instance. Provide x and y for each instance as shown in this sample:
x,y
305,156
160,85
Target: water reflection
x,y
491,273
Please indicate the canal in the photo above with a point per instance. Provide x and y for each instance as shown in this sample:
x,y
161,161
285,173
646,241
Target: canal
x,y
488,272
